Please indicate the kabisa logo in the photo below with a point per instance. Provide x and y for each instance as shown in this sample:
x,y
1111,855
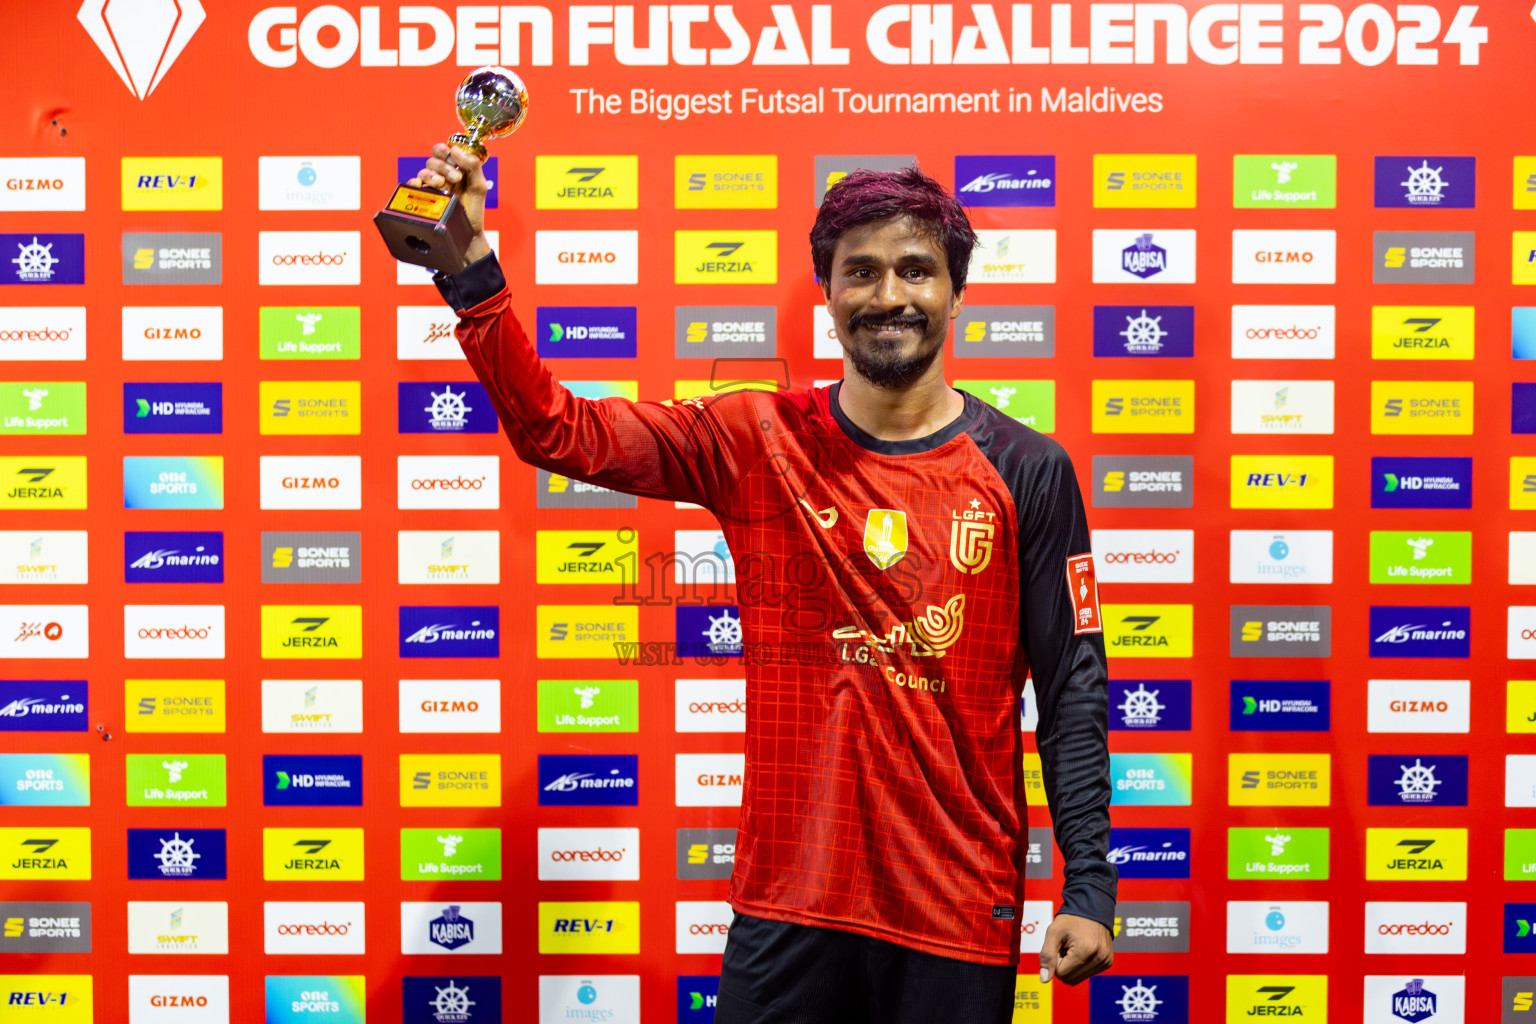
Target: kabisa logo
x,y
317,780
1416,780
173,408
1143,258
451,929
460,928
1150,852
448,407
1444,482
173,557
43,706
587,332
42,258
1129,256
176,853
1421,631
460,999
140,46
1259,705
450,631
1426,182
1138,998
572,780
1150,705
1139,331
1005,180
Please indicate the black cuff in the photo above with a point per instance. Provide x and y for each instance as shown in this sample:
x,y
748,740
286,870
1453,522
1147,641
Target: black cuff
x,y
471,286
1089,891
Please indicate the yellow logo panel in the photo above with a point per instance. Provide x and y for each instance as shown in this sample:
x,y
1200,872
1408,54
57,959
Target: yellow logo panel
x,y
685,389
1422,332
46,998
1292,996
725,182
311,631
1143,407
586,556
1522,482
303,854
1031,1000
1520,706
1149,630
1525,183
586,182
726,257
589,927
173,705
311,407
1034,780
450,780
586,630
1279,780
1143,181
885,536
1421,407
42,481
1416,854
1525,257
173,183
45,851
1282,481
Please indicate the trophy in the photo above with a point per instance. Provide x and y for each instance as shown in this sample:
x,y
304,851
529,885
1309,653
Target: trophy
x,y
427,227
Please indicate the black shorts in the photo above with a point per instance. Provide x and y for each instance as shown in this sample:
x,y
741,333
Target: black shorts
x,y
778,973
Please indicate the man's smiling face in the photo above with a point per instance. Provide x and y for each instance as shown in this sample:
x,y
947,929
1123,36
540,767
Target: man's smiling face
x,y
891,299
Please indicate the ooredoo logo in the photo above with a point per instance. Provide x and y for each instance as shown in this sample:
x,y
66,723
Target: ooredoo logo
x,y
1145,556
310,928
1283,332
605,854
309,257
173,631
138,39
1416,928
463,481
702,926
711,705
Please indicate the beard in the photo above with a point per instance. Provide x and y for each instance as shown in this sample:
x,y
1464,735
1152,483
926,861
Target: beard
x,y
883,363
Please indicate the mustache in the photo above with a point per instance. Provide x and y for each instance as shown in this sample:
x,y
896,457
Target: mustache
x,y
875,321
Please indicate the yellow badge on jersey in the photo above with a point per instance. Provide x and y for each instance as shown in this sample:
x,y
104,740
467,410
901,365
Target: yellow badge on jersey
x,y
1416,854
302,854
885,536
589,927
45,851
1302,997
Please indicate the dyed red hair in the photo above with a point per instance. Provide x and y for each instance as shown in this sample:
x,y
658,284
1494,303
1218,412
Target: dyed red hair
x,y
865,196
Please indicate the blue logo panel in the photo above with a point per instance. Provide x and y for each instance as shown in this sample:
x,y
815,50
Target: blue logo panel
x,y
450,631
1288,705
180,854
446,407
589,780
1144,331
173,557
470,999
333,998
587,332
1149,705
1426,182
41,258
1138,999
173,408
1005,180
1420,631
34,705
1416,780
1523,332
709,631
1522,408
173,482
408,166
696,994
1520,927
1150,852
314,780
1421,483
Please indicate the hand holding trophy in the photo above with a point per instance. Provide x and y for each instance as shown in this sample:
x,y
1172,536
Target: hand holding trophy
x,y
432,219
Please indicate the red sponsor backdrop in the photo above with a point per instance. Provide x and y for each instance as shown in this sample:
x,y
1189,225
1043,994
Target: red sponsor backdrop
x,y
217,99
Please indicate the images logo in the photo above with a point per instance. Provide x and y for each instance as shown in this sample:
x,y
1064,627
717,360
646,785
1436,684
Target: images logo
x,y
1417,780
180,257
1259,705
310,183
173,557
311,631
182,853
173,183
1273,853
1284,257
1140,331
1284,182
1420,631
580,780
173,482
42,407
1269,927
140,47
1280,556
42,258
1143,407
43,705
1280,631
1150,852
1399,556
725,182
1278,780
1421,482
1005,180
1420,182
1282,481
1424,257
586,257
1124,181
1143,481
317,780
586,182
1150,705
1131,256
1149,630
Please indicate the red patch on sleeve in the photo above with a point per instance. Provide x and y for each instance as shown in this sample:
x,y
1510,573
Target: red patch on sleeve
x,y
1083,585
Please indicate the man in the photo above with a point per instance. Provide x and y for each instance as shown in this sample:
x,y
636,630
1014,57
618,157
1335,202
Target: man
x,y
905,556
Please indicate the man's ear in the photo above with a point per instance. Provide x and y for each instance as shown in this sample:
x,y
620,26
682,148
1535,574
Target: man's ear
x,y
826,292
956,304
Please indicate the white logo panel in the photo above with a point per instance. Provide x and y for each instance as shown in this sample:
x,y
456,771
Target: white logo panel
x,y
311,705
313,928
1035,917
42,332
173,631
1418,705
1520,780
1144,556
824,343
140,46
611,998
310,257
450,705
1437,998
1143,256
1281,556
586,257
1284,332
312,481
702,926
173,333
1522,557
1283,257
710,780
309,183
45,631
1522,632
443,927
179,927
31,184
1416,928
426,332
44,556
449,556
703,559
711,705
1264,926
178,999
1013,256
589,854
449,481
1282,407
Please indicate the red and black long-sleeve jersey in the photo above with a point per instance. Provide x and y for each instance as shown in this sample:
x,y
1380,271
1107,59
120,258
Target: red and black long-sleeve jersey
x,y
894,595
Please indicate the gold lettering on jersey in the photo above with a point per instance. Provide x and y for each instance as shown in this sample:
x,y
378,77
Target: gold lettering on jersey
x,y
885,536
971,533
928,635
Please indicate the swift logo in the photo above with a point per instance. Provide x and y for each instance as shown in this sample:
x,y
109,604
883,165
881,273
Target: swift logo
x,y
136,40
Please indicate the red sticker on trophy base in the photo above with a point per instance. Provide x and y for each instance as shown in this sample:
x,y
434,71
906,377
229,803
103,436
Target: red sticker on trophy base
x,y
1084,588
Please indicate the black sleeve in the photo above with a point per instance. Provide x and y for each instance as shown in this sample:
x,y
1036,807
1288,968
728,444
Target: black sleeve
x,y
1071,683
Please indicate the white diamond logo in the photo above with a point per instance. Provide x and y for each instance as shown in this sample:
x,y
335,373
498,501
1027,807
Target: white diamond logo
x,y
141,39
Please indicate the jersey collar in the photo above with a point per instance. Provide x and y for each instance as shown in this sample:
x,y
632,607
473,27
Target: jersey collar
x,y
951,430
